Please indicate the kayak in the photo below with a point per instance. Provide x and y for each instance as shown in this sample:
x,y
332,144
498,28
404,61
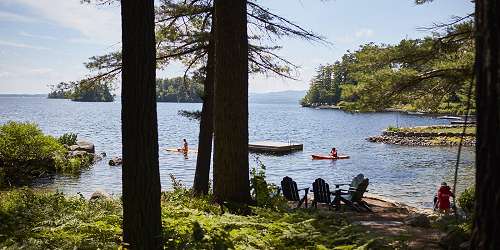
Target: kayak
x,y
329,157
179,150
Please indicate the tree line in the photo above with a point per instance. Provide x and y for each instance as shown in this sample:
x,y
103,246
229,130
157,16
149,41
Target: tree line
x,y
176,89
431,74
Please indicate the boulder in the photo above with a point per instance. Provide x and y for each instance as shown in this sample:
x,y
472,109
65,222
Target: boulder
x,y
115,161
97,195
82,145
78,153
418,220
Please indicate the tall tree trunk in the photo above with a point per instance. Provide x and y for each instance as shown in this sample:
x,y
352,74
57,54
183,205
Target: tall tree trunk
x,y
231,180
201,177
140,171
487,219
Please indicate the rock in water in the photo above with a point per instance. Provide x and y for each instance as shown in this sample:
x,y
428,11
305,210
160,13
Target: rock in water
x,y
85,146
115,161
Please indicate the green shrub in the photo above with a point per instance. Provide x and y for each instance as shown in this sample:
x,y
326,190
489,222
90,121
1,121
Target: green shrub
x,y
466,200
393,129
26,153
68,139
25,143
264,194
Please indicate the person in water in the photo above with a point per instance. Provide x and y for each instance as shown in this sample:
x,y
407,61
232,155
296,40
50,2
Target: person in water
x,y
443,198
185,147
333,153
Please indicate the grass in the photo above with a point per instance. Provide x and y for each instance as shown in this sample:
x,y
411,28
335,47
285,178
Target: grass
x,y
41,220
435,129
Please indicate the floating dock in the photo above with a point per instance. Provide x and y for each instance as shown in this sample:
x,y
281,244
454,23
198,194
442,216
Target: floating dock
x,y
273,147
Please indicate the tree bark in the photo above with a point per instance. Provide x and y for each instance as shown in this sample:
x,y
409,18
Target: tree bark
x,y
231,177
486,230
202,173
140,170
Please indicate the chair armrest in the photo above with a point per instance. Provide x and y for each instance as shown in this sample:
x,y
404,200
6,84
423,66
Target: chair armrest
x,y
337,185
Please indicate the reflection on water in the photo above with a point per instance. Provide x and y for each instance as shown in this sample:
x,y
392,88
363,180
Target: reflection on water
x,y
407,174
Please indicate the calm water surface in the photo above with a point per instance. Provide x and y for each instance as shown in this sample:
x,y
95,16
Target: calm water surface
x,y
401,173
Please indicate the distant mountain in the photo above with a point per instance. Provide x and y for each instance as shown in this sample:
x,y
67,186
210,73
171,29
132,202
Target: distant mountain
x,y
282,97
23,95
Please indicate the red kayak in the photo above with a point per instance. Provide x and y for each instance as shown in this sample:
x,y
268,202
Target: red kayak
x,y
329,157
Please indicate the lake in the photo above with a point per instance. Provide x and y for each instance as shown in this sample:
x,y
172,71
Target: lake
x,y
401,173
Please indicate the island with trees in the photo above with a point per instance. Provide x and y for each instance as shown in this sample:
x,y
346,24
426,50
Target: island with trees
x,y
83,91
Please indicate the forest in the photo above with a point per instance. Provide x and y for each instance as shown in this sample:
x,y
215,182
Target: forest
x,y
430,74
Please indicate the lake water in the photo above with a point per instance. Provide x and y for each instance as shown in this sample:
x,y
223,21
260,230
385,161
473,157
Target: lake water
x,y
406,174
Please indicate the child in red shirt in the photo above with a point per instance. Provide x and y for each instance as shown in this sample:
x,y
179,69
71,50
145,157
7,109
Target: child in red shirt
x,y
443,198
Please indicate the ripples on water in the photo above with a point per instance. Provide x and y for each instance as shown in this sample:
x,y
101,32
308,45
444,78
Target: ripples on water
x,y
407,174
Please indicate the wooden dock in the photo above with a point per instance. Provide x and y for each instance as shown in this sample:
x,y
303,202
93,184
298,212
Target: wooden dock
x,y
274,147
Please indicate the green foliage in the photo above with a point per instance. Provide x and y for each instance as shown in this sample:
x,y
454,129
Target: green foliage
x,y
466,200
36,220
93,91
25,143
60,91
68,139
263,193
191,115
393,129
432,74
83,91
26,153
178,89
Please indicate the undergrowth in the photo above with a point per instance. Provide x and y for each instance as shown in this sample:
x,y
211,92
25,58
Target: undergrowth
x,y
40,220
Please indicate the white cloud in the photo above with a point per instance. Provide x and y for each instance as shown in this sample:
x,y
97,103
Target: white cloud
x,y
21,45
4,74
13,17
26,34
353,37
40,71
96,24
364,33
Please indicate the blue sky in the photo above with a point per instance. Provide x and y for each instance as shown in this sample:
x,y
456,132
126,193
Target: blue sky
x,y
47,41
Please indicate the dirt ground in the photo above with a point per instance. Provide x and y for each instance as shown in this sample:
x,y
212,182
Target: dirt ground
x,y
388,219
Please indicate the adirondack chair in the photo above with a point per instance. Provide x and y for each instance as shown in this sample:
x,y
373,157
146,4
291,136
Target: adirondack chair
x,y
322,194
353,197
291,192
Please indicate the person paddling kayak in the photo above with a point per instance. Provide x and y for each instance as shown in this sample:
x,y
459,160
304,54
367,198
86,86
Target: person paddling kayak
x,y
333,153
185,147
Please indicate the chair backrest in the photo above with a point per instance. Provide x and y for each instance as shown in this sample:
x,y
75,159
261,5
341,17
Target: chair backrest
x,y
357,180
357,194
290,190
321,191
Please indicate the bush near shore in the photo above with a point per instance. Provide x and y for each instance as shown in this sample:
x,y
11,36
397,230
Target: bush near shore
x,y
26,153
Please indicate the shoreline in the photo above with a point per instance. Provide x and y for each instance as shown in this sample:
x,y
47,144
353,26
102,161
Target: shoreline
x,y
434,135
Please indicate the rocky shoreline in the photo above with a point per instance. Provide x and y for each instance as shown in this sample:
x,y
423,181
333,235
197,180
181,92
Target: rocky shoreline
x,y
415,138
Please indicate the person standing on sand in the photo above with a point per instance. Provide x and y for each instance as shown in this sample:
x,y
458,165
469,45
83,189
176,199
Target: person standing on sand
x,y
443,198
